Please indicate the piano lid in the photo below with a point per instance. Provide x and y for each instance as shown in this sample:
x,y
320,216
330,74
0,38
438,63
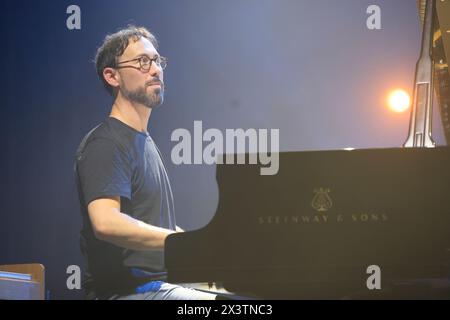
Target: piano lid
x,y
441,52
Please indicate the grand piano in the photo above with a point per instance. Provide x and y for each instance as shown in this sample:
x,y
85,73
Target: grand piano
x,y
321,226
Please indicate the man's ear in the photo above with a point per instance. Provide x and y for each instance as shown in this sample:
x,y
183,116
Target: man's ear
x,y
112,77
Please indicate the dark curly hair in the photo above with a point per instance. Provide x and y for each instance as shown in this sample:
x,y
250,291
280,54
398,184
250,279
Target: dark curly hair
x,y
114,46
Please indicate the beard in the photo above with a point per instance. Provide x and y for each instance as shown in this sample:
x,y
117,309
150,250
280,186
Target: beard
x,y
141,96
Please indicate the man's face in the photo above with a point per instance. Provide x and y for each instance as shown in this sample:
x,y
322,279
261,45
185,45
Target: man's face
x,y
136,85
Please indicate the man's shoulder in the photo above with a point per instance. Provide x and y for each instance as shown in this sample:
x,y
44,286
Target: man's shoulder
x,y
104,134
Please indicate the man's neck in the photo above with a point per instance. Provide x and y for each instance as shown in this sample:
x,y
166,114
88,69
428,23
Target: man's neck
x,y
133,114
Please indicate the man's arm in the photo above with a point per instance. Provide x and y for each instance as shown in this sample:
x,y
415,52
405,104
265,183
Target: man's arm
x,y
113,226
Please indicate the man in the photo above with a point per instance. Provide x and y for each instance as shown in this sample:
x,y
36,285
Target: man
x,y
124,191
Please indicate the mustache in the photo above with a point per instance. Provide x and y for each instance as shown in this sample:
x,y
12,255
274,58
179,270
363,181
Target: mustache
x,y
155,81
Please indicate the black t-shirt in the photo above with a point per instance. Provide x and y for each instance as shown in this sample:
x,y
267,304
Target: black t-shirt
x,y
114,159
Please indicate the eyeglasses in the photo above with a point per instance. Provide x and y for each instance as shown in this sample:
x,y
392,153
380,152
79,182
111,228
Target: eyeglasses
x,y
145,63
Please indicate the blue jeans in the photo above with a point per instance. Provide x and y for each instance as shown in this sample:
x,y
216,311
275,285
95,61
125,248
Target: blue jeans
x,y
158,290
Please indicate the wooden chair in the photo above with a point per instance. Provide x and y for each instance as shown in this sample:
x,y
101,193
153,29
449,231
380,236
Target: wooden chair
x,y
22,282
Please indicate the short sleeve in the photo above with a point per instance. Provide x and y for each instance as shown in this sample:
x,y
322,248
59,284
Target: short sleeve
x,y
104,169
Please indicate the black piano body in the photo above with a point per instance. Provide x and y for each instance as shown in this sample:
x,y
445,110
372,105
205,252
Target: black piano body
x,y
312,230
